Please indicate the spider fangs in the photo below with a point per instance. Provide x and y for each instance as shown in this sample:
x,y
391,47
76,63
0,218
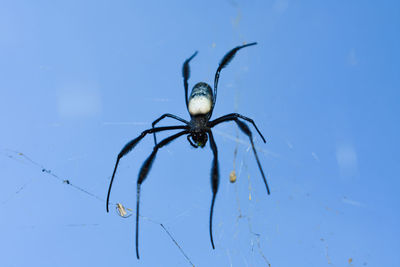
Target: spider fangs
x,y
200,105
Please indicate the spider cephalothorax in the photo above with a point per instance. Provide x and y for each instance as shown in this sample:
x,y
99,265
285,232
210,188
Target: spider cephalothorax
x,y
199,139
200,105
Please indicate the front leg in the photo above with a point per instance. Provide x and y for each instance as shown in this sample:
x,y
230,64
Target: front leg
x,y
144,171
130,145
163,117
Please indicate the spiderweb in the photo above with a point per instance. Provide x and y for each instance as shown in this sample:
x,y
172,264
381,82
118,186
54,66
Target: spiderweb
x,y
121,210
239,170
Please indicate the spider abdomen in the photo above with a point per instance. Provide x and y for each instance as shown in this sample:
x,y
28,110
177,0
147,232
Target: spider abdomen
x,y
200,100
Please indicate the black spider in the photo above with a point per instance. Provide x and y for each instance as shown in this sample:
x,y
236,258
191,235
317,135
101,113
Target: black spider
x,y
200,105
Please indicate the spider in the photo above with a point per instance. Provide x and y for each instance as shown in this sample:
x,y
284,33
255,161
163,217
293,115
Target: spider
x,y
200,106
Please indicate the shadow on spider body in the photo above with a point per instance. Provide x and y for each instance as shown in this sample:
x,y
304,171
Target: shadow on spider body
x,y
200,105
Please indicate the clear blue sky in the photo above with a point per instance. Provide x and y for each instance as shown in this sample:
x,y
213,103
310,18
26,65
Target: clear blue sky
x,y
79,79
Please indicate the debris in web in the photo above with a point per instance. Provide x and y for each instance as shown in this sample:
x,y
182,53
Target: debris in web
x,y
17,155
232,176
122,211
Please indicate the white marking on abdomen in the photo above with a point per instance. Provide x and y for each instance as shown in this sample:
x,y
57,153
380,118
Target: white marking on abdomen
x,y
199,105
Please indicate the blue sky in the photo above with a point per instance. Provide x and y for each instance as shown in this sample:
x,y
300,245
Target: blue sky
x,y
80,79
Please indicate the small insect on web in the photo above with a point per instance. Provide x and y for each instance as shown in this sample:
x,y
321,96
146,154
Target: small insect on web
x,y
200,105
122,211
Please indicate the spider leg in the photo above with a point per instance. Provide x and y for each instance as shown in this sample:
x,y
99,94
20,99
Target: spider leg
x,y
233,116
245,129
163,117
224,62
144,170
130,145
214,180
186,75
